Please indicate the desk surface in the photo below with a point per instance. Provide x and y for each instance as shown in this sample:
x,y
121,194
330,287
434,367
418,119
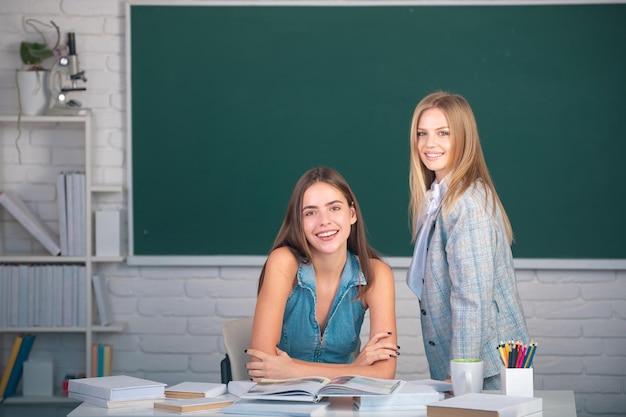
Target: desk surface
x,y
555,404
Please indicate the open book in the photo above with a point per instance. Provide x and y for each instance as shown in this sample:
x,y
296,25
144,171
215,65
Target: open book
x,y
314,388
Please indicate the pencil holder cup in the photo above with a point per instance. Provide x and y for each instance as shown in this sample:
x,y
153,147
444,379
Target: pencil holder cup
x,y
517,382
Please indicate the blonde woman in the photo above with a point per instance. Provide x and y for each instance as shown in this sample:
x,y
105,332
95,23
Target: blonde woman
x,y
462,269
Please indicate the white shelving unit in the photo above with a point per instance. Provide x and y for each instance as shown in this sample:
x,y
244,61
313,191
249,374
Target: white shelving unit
x,y
90,260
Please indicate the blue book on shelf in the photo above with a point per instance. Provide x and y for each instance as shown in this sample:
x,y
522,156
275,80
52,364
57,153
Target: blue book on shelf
x,y
16,373
100,360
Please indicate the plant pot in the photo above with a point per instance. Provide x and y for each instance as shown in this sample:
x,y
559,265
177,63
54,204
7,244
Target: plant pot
x,y
32,88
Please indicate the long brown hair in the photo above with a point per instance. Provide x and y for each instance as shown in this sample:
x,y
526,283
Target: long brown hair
x,y
467,158
291,233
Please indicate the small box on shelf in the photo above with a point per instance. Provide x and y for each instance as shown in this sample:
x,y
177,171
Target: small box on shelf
x,y
108,233
37,375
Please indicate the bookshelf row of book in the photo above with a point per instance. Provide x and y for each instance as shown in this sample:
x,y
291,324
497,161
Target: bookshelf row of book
x,y
101,359
12,373
30,221
71,197
42,295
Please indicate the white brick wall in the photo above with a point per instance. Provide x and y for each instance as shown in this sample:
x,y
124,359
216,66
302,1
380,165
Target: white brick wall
x,y
174,314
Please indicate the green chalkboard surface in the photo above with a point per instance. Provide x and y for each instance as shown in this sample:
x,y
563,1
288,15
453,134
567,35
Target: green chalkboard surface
x,y
231,104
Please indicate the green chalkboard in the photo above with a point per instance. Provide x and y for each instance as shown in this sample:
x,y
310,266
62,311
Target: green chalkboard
x,y
231,104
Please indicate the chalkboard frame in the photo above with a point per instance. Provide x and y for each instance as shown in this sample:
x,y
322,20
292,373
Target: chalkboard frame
x,y
135,258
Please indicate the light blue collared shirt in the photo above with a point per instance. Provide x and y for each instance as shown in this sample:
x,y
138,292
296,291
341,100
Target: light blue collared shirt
x,y
417,269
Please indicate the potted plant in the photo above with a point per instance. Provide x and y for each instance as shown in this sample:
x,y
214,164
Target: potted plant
x,y
32,79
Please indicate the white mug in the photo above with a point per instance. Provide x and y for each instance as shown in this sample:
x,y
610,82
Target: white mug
x,y
467,375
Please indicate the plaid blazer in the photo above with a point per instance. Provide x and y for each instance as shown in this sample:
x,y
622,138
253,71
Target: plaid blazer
x,y
469,300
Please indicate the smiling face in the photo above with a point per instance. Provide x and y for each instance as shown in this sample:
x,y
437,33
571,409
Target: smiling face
x,y
434,144
327,218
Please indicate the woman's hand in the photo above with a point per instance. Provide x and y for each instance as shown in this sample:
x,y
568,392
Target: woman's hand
x,y
263,365
378,348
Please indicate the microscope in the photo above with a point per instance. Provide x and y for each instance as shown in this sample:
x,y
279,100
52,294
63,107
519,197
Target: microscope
x,y
64,70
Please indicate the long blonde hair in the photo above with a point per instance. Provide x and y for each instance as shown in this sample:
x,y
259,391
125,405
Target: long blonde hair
x,y
468,161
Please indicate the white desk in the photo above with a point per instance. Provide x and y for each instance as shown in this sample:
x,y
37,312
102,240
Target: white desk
x,y
555,404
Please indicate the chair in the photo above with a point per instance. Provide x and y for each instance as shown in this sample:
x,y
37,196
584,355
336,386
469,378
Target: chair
x,y
237,336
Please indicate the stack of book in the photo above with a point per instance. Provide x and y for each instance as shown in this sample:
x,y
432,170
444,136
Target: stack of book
x,y
195,396
409,396
185,405
117,391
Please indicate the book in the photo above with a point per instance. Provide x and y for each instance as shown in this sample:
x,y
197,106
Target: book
x,y
100,360
107,361
81,296
440,386
102,300
94,360
5,300
75,295
17,343
314,388
195,390
61,204
14,309
79,212
68,295
16,372
71,219
117,387
184,405
46,295
277,408
101,402
410,395
485,405
57,297
239,388
18,209
34,296
22,295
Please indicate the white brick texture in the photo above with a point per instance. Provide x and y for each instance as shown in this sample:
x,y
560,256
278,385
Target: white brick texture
x,y
174,314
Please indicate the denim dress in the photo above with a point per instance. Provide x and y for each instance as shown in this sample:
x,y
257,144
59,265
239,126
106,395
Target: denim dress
x,y
301,337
